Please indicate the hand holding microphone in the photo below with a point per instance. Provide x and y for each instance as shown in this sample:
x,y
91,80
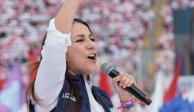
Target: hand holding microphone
x,y
120,82
108,69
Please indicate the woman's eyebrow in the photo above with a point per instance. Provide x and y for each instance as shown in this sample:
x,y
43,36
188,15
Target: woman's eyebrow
x,y
82,35
91,35
78,35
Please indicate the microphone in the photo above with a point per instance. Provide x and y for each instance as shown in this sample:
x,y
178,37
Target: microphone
x,y
108,69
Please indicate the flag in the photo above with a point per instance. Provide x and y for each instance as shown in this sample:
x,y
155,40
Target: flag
x,y
1,83
12,95
33,64
178,104
171,101
190,97
104,84
159,97
171,91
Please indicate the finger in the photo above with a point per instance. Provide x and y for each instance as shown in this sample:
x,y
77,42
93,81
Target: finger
x,y
123,81
127,83
117,78
121,74
131,81
127,80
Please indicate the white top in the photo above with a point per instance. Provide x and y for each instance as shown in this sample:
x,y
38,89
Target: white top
x,y
51,72
94,105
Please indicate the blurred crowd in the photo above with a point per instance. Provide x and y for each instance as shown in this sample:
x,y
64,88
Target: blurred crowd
x,y
119,27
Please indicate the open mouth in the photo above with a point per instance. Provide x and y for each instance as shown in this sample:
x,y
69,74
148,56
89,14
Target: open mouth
x,y
92,56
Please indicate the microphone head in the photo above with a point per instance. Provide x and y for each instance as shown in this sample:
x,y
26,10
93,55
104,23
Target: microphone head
x,y
106,68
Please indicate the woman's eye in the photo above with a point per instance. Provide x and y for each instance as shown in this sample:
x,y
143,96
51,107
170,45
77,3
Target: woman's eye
x,y
92,39
80,40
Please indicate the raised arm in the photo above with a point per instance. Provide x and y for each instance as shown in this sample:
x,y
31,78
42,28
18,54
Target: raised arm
x,y
64,18
51,72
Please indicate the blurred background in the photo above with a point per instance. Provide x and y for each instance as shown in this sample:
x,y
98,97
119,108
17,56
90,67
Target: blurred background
x,y
151,39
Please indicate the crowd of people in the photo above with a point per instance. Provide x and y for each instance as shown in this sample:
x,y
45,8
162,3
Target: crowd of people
x,y
119,27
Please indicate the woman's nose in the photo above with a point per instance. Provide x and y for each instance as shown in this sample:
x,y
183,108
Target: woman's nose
x,y
91,45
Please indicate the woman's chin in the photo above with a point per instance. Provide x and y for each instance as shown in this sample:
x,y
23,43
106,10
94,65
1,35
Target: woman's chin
x,y
91,69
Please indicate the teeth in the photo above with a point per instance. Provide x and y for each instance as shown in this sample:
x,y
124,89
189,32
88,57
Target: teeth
x,y
92,55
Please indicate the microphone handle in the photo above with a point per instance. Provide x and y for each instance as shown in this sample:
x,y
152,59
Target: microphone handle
x,y
133,89
139,94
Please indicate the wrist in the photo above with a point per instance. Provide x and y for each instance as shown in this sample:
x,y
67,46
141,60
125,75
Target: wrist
x,y
126,107
123,101
127,100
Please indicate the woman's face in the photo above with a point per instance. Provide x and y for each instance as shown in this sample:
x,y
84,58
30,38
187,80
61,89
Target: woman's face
x,y
81,55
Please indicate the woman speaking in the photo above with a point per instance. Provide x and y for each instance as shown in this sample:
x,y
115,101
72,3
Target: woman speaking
x,y
68,57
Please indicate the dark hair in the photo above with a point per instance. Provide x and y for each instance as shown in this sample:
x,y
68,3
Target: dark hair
x,y
74,89
83,22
